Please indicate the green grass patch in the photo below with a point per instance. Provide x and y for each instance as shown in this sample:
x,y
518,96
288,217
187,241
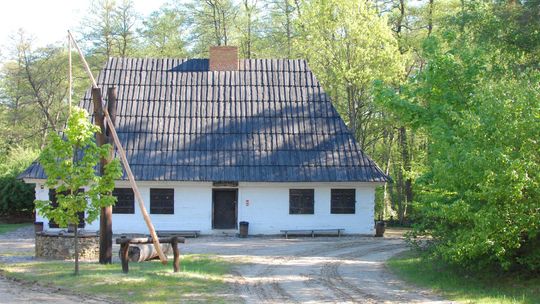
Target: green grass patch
x,y
466,287
10,227
201,279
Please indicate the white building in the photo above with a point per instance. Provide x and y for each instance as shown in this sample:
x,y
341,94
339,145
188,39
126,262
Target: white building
x,y
213,142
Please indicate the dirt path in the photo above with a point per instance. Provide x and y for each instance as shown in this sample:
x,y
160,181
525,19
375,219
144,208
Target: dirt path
x,y
320,270
269,270
20,292
18,246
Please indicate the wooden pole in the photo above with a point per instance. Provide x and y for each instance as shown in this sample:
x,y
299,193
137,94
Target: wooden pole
x,y
124,250
106,212
176,253
105,219
124,161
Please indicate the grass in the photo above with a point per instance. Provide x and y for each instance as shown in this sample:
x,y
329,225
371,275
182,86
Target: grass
x,y
201,279
10,227
480,288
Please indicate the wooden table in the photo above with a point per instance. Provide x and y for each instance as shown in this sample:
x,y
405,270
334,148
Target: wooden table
x,y
124,243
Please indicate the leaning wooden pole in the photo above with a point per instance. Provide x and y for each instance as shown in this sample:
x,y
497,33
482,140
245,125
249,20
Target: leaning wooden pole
x,y
123,159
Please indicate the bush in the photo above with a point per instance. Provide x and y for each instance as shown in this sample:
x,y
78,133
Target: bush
x,y
16,197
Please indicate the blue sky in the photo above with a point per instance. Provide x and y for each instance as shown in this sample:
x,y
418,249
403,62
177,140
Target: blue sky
x,y
48,20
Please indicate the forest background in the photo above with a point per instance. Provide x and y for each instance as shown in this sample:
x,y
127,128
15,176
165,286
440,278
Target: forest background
x,y
442,94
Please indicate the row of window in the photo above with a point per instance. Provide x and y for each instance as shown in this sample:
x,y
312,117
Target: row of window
x,y
161,202
302,201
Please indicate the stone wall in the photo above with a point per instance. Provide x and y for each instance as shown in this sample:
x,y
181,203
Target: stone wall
x,y
60,246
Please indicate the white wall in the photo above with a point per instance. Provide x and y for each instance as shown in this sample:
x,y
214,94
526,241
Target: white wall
x,y
268,210
264,205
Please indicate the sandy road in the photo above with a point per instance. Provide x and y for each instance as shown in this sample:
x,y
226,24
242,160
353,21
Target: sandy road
x,y
16,247
269,270
18,292
320,270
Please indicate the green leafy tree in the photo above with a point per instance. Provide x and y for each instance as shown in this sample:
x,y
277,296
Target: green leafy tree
x,y
34,81
163,33
70,164
212,23
110,30
479,196
349,46
279,28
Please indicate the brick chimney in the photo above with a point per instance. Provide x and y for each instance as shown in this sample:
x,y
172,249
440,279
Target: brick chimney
x,y
223,58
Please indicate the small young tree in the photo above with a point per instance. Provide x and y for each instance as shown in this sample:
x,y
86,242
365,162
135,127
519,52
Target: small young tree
x,y
70,163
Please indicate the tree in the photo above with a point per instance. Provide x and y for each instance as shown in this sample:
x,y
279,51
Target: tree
x,y
126,19
247,27
163,33
34,81
69,163
212,23
110,29
99,27
349,46
280,28
479,194
402,151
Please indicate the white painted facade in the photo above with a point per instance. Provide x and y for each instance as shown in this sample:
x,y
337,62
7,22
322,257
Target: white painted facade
x,y
264,205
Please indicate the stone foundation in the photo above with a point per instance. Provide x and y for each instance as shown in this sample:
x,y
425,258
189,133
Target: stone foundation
x,y
60,246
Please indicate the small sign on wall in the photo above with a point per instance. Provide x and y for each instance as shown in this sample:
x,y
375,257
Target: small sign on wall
x,y
247,202
225,184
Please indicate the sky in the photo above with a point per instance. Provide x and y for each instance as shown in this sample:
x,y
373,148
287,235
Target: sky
x,y
47,21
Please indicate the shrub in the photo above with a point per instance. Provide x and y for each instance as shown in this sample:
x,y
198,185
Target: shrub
x,y
16,197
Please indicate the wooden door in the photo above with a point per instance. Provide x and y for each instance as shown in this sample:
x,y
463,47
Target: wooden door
x,y
224,208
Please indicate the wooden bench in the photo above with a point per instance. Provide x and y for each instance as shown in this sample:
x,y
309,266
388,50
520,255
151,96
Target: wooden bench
x,y
124,243
311,232
182,233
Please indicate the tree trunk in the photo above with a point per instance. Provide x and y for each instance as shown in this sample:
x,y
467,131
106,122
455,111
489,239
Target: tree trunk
x,y
407,193
224,26
76,245
248,28
387,200
215,21
288,27
105,221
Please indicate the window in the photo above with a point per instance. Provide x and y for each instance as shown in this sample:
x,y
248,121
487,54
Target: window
x,y
54,204
343,201
301,201
125,201
162,201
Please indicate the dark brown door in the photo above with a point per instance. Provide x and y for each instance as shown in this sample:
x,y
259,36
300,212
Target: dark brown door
x,y
224,208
